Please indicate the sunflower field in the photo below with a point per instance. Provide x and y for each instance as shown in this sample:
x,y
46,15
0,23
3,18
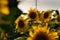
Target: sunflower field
x,y
33,25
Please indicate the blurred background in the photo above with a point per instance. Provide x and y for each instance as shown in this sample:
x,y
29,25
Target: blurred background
x,y
24,5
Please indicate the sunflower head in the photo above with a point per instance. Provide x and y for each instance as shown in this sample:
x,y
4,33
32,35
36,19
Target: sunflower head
x,y
4,2
4,9
42,33
32,14
4,35
47,15
57,18
21,24
39,14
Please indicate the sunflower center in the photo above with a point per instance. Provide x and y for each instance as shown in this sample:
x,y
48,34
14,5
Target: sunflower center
x,y
32,15
39,15
41,36
21,24
58,18
46,14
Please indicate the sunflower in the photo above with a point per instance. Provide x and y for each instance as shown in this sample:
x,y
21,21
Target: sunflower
x,y
21,24
46,15
4,36
39,14
57,19
4,9
32,14
42,33
4,2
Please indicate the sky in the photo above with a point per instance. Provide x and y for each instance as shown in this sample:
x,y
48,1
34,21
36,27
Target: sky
x,y
25,5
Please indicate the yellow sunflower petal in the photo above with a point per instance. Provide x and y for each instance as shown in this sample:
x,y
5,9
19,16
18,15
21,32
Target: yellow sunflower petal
x,y
21,25
34,27
43,33
19,18
31,34
4,2
5,10
46,16
53,35
29,38
32,14
57,20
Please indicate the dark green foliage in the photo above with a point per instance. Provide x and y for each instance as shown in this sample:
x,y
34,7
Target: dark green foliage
x,y
13,15
12,3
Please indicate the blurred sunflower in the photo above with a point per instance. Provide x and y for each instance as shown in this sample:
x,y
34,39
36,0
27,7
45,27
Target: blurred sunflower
x,y
57,19
21,24
4,9
4,35
42,33
46,15
39,14
32,14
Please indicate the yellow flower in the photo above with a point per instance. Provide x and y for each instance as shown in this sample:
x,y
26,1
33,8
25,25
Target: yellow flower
x,y
57,19
4,35
42,33
46,15
39,14
4,9
32,14
21,24
4,2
